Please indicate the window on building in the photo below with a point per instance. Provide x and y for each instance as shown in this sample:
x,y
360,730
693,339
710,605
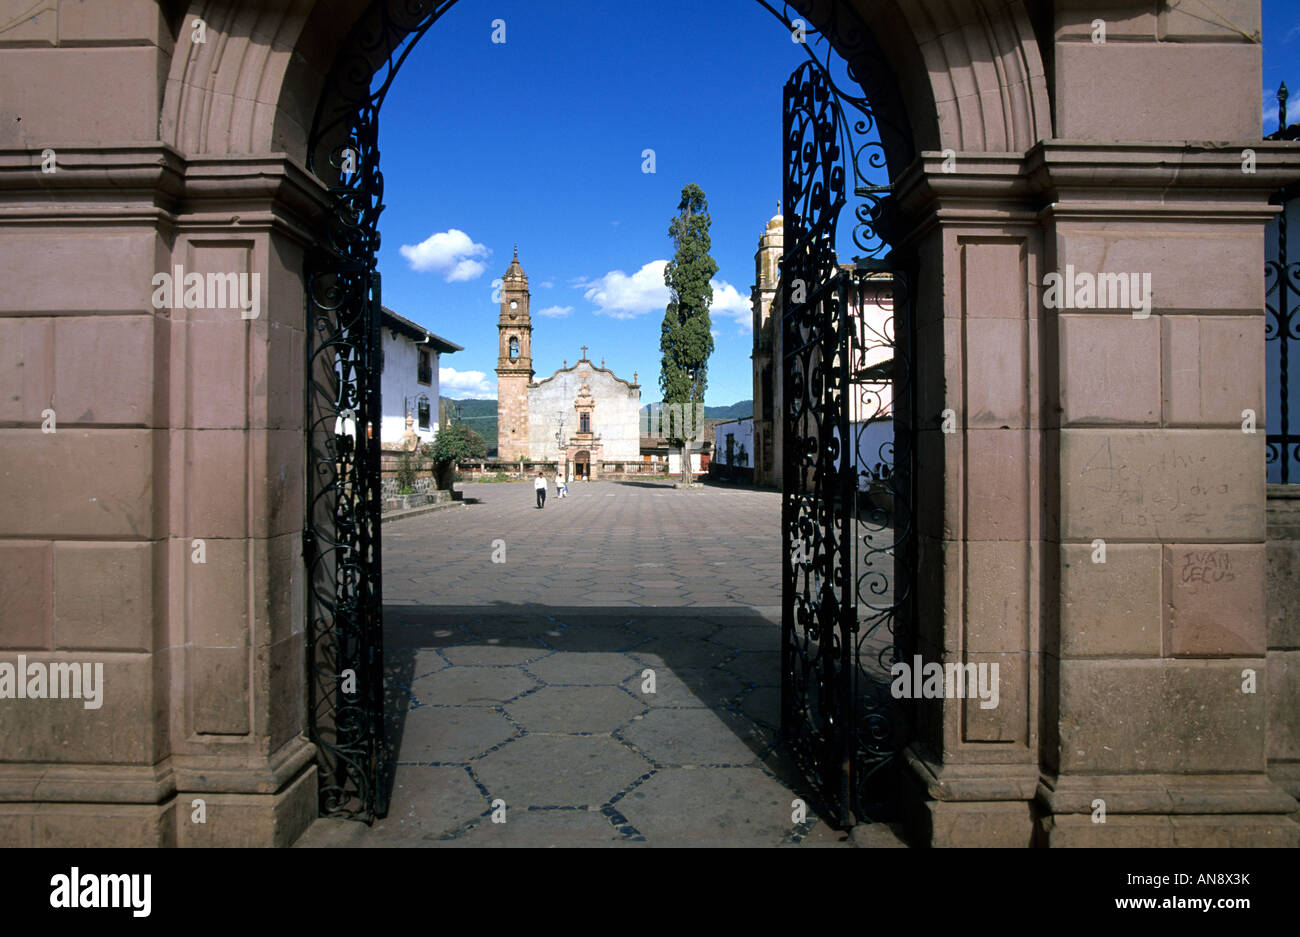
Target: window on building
x,y
584,422
767,394
514,348
422,409
424,373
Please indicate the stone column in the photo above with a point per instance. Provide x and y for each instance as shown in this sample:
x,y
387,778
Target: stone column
x,y
974,768
88,193
155,529
236,456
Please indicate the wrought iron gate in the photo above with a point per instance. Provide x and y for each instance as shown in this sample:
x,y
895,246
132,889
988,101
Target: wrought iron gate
x,y
341,533
1281,323
846,336
844,594
341,536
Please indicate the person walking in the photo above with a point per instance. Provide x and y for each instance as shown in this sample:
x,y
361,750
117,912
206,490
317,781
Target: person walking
x,y
540,486
561,486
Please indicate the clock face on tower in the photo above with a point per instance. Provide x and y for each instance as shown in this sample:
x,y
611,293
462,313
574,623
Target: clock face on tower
x,y
514,304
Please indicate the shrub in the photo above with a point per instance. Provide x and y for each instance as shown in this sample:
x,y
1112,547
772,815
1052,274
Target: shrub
x,y
405,474
454,443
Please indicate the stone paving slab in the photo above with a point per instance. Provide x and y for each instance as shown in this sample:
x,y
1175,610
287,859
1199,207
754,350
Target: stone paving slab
x,y
688,687
518,686
695,737
576,709
451,734
560,770
741,804
545,829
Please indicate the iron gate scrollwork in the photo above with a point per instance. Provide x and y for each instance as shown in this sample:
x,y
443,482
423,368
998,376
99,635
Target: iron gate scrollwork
x,y
846,334
341,538
341,534
840,599
1281,323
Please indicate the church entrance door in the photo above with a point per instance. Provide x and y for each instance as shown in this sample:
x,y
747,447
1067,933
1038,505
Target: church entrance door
x,y
582,464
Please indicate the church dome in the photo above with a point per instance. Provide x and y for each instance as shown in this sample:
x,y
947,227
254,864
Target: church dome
x,y
777,223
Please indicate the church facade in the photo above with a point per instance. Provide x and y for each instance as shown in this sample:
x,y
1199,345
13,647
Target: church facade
x,y
580,416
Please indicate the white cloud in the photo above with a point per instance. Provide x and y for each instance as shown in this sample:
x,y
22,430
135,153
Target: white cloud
x,y
730,304
620,296
548,284
624,297
453,383
555,312
466,270
451,253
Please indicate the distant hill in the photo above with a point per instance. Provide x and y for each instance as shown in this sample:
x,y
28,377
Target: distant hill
x,y
478,415
734,411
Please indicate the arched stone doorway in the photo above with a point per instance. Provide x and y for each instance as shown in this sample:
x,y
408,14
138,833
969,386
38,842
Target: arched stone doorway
x,y
582,465
206,169
831,128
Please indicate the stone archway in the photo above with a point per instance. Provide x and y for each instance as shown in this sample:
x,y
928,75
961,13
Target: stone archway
x,y
204,168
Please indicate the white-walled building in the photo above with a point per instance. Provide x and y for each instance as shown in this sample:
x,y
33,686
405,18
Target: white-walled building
x,y
698,466
409,378
733,443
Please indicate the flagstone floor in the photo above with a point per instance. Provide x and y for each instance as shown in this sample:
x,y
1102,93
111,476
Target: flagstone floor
x,y
602,671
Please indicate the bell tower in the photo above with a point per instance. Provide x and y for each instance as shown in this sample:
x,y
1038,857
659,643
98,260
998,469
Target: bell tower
x,y
766,299
514,363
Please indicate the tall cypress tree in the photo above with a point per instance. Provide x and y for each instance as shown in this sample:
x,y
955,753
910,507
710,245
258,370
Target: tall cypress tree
x,y
686,340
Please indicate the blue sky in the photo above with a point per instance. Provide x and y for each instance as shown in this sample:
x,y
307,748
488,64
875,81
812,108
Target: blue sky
x,y
1281,29
539,141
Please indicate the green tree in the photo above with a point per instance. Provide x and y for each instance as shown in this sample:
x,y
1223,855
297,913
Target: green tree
x,y
455,443
686,340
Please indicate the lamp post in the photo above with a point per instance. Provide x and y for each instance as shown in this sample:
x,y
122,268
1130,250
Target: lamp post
x,y
559,443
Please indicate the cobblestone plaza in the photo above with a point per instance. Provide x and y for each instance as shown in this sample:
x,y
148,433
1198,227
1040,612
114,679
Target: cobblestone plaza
x,y
522,680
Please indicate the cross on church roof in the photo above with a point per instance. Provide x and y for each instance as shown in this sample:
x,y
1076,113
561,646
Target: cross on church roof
x,y
584,352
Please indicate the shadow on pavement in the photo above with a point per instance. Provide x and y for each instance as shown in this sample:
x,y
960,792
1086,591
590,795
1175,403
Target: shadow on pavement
x,y
546,709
